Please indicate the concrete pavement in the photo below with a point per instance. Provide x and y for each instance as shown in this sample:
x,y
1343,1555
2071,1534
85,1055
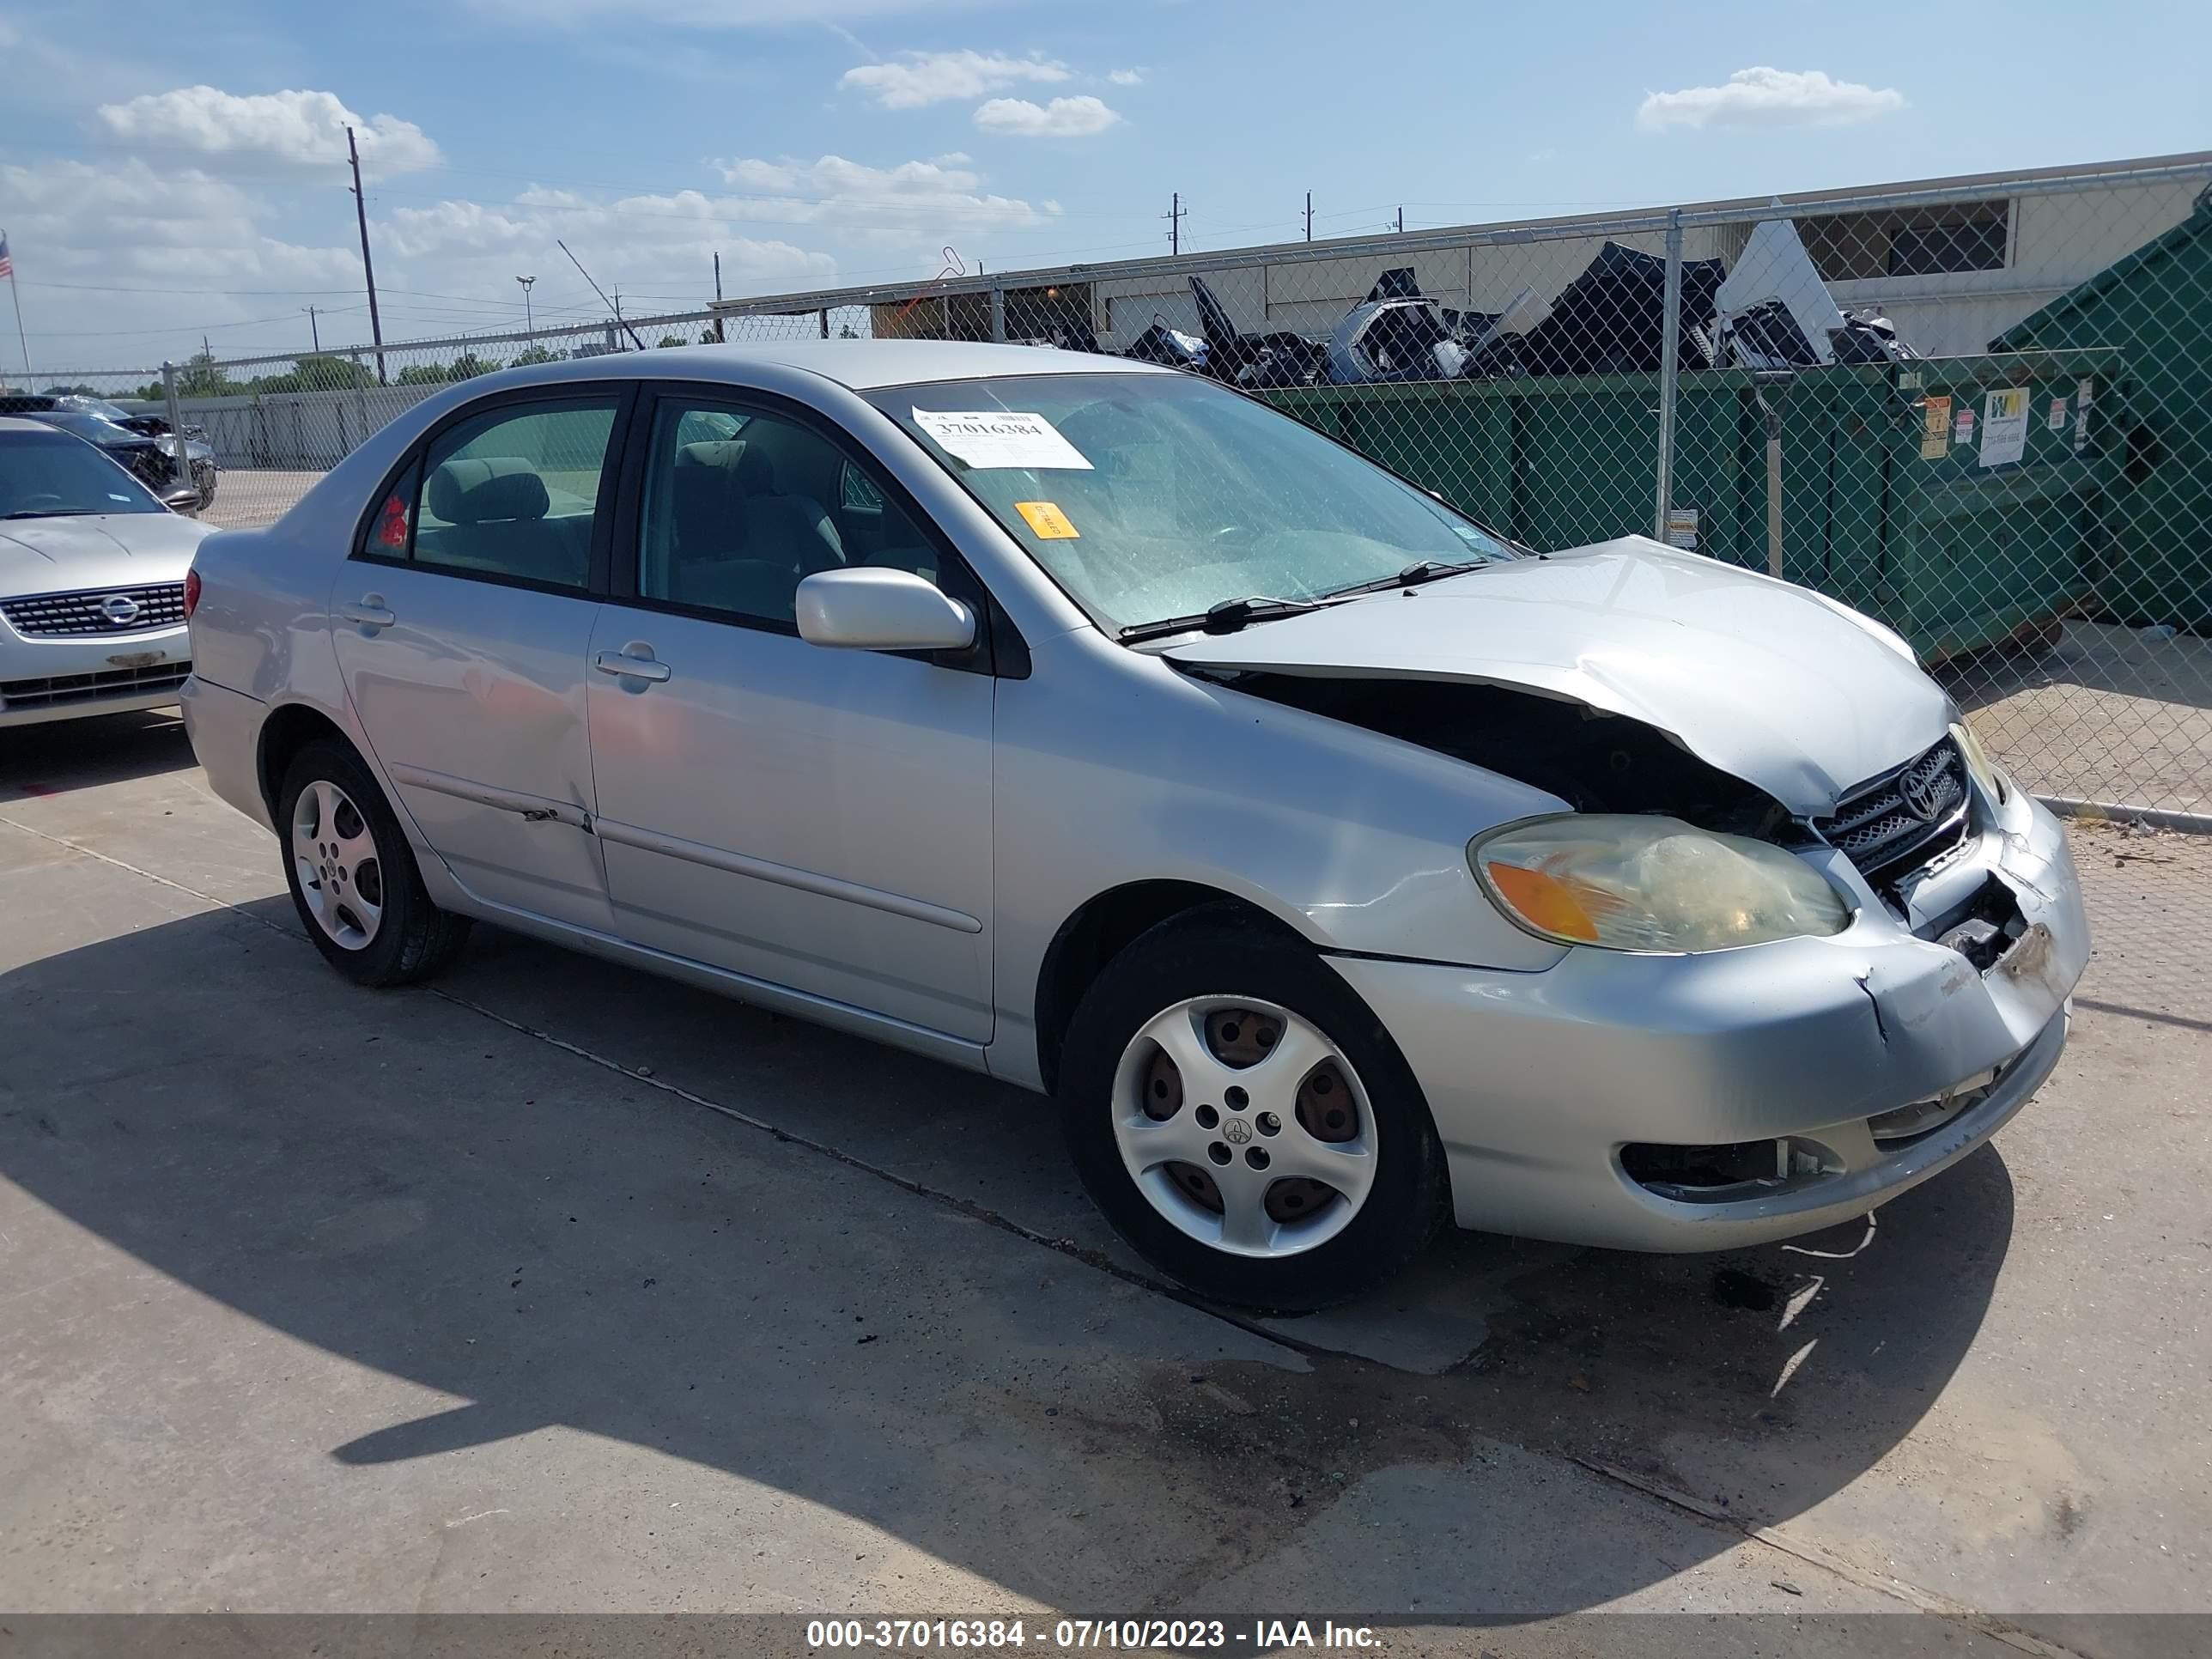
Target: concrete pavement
x,y
469,1299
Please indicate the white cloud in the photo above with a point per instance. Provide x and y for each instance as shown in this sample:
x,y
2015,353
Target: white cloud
x,y
1126,77
920,78
292,132
476,245
1063,118
915,196
1768,97
126,223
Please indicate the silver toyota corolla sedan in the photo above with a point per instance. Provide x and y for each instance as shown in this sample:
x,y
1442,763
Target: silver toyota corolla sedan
x,y
92,582
1340,866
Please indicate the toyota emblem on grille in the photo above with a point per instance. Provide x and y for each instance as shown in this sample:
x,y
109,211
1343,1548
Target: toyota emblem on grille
x,y
120,609
1923,796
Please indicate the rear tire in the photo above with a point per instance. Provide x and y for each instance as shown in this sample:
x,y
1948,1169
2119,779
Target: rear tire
x,y
352,875
1169,1052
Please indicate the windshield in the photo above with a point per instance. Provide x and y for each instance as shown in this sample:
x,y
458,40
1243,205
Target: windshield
x,y
1153,496
50,474
91,427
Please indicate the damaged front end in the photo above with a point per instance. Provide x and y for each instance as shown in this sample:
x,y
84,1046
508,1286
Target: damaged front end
x,y
1594,761
1696,1097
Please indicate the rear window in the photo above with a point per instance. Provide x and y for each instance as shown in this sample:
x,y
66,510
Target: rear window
x,y
514,494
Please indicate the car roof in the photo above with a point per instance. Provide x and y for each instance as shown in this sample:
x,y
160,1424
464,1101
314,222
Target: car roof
x,y
862,365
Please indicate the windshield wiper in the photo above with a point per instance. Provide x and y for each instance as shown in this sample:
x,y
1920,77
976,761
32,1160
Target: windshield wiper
x,y
1424,570
1226,618
53,513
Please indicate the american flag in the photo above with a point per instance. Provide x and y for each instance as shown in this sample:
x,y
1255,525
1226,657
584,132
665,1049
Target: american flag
x,y
7,264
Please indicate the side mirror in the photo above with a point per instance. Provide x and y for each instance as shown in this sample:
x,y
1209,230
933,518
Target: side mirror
x,y
180,498
872,609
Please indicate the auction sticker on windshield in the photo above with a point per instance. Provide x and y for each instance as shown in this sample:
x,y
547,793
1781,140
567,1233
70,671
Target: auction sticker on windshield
x,y
1047,521
1001,438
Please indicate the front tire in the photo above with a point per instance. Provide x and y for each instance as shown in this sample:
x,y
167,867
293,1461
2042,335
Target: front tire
x,y
1245,1121
352,875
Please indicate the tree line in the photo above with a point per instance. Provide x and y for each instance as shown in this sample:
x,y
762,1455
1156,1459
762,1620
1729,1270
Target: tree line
x,y
202,376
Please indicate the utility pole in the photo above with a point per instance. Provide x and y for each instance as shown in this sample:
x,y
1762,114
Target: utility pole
x,y
313,332
529,323
1308,216
1175,217
1402,222
718,296
368,270
614,305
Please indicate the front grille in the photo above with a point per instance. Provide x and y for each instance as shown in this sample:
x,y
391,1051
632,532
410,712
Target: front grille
x,y
53,616
1903,819
58,689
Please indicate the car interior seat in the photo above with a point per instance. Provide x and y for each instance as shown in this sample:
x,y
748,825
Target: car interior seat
x,y
493,509
741,542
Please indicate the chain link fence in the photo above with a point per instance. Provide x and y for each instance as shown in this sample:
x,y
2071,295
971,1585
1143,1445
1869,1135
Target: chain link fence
x,y
1979,412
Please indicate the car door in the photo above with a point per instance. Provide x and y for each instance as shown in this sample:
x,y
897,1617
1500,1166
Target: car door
x,y
816,818
462,624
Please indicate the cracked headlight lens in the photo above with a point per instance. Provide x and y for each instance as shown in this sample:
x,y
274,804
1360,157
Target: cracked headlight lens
x,y
1633,882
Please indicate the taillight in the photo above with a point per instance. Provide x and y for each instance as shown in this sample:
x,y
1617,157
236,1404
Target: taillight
x,y
192,593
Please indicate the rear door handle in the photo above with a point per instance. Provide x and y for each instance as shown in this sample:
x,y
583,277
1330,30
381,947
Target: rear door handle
x,y
632,668
368,611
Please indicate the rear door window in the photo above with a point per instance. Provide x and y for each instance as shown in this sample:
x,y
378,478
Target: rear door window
x,y
513,494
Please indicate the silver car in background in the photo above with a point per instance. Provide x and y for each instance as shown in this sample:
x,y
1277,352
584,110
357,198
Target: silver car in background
x,y
1340,867
92,582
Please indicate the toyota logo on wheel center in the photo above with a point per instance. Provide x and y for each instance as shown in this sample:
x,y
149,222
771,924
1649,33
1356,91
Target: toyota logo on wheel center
x,y
1236,1131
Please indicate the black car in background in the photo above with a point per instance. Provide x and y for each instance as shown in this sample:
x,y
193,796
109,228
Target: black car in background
x,y
141,444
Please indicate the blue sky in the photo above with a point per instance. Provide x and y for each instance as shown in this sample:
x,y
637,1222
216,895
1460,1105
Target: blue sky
x,y
166,171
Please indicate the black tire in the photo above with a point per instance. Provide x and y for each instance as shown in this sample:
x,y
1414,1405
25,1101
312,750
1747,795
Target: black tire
x,y
1216,951
415,939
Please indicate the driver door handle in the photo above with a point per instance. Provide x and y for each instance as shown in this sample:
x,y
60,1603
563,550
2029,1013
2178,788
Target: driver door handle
x,y
632,668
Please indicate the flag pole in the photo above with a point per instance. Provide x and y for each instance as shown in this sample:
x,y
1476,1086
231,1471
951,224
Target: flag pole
x,y
17,295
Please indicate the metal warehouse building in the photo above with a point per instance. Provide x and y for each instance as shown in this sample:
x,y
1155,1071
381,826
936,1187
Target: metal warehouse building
x,y
1953,262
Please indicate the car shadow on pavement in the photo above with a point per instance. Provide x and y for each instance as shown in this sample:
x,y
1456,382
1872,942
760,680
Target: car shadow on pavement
x,y
60,755
403,1183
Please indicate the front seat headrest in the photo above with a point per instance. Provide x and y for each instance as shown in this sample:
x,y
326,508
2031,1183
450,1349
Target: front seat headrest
x,y
756,472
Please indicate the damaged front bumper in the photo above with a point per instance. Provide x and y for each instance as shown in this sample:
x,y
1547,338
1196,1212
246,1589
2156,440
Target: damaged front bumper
x,y
1709,1102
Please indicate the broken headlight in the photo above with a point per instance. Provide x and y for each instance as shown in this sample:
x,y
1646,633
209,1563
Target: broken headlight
x,y
1979,767
1650,883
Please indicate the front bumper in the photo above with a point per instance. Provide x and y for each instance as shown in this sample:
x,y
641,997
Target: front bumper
x,y
54,678
1540,1081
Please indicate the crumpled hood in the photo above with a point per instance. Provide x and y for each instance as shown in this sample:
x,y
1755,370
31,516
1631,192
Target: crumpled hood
x,y
105,550
1770,683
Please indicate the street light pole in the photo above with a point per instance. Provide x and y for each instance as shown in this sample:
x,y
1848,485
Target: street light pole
x,y
528,324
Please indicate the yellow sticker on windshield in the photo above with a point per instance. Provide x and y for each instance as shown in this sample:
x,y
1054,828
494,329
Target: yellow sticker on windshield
x,y
1050,523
